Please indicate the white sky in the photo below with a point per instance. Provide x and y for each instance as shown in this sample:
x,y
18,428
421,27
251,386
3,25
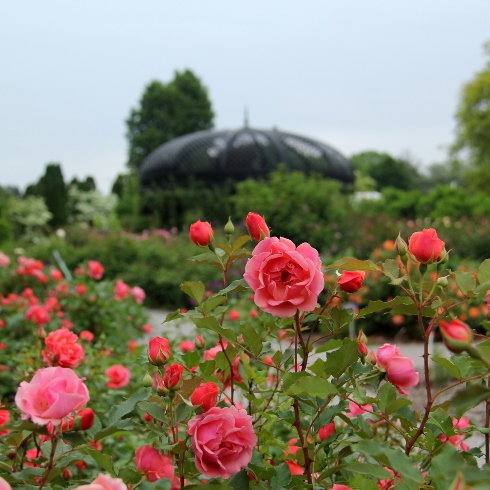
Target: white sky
x,y
355,74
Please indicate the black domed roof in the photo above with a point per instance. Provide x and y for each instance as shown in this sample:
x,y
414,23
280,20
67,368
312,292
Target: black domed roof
x,y
219,155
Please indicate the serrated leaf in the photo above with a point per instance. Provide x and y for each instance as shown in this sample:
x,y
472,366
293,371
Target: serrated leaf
x,y
339,361
236,287
375,306
194,289
341,316
102,459
119,411
412,310
188,387
240,481
252,339
465,281
155,410
369,469
353,264
208,258
332,344
312,386
448,366
397,404
240,242
282,476
386,396
468,398
211,323
174,315
290,378
391,268
213,302
484,271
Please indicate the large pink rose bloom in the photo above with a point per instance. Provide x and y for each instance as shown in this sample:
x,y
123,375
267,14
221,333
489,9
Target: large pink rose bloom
x,y
399,369
284,278
222,440
104,482
53,393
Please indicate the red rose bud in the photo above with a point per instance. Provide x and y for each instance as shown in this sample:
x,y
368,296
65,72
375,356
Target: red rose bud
x,y
456,335
66,474
84,419
200,342
326,431
172,380
401,246
158,351
425,245
257,228
351,281
147,417
206,395
201,233
363,350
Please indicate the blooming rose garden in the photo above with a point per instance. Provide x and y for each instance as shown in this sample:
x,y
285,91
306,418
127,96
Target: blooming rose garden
x,y
279,399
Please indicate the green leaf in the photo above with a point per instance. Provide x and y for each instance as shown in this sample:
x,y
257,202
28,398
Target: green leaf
x,y
236,287
386,396
341,316
332,344
391,269
375,306
240,242
190,358
468,398
155,410
119,411
208,258
369,469
339,361
353,264
188,387
290,378
282,476
210,486
211,323
466,281
448,366
194,289
213,302
240,481
252,339
312,386
397,404
174,315
104,460
412,310
484,271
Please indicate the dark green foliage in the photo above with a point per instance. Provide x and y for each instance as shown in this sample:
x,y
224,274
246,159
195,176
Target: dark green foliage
x,y
166,111
5,230
84,185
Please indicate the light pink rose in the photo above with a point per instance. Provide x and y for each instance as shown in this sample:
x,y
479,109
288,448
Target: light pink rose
x,y
139,294
355,409
53,393
118,376
385,353
121,290
399,369
104,482
4,485
222,441
154,464
4,260
284,278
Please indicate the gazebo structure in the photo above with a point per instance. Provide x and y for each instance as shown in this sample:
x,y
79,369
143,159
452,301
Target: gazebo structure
x,y
216,156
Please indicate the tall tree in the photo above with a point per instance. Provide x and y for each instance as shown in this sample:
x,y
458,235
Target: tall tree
x,y
473,127
166,111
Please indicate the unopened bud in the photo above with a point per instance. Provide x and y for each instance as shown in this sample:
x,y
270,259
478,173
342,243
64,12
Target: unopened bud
x,y
66,474
42,333
444,257
362,337
84,419
200,342
162,390
229,228
456,335
401,246
363,350
442,281
147,380
371,358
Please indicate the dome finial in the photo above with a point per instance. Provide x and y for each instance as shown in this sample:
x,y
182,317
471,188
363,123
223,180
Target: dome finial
x,y
245,117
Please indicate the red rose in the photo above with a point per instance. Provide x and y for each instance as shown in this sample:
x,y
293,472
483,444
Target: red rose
x,y
351,281
172,380
326,431
85,418
201,233
425,245
257,227
95,269
158,351
206,395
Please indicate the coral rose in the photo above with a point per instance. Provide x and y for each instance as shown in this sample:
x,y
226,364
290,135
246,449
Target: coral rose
x,y
351,281
38,315
62,349
285,278
222,441
206,395
154,464
53,393
95,269
104,482
425,245
257,226
201,233
4,260
118,376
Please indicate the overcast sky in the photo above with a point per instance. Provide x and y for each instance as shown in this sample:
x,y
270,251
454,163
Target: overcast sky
x,y
355,74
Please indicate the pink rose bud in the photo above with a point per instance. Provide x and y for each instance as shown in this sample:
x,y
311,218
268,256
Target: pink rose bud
x,y
201,233
86,335
187,345
102,482
84,419
257,228
362,337
158,351
172,380
268,360
326,431
153,464
234,315
340,487
425,245
351,281
95,269
253,313
206,395
200,342
456,335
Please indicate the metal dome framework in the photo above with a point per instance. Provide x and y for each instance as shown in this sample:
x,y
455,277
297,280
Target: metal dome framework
x,y
215,156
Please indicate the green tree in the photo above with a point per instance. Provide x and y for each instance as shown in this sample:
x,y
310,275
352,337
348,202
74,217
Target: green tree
x,y
473,127
166,111
86,185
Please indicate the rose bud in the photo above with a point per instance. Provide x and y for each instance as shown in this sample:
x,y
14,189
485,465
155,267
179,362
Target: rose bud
x,y
351,281
206,395
172,380
257,227
229,228
84,419
147,380
401,246
201,233
371,358
66,474
425,245
147,417
456,335
200,342
326,431
363,350
158,351
234,315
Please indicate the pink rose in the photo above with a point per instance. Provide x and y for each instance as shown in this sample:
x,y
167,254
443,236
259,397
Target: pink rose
x,y
355,409
385,353
154,464
38,315
4,485
425,245
399,369
138,294
104,482
456,335
187,345
283,277
62,349
4,260
121,290
326,431
95,269
222,441
257,226
118,376
53,393
340,487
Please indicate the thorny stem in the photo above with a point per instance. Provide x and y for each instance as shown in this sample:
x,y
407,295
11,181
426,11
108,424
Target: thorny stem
x,y
54,442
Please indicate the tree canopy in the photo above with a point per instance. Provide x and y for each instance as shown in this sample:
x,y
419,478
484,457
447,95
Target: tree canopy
x,y
166,111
